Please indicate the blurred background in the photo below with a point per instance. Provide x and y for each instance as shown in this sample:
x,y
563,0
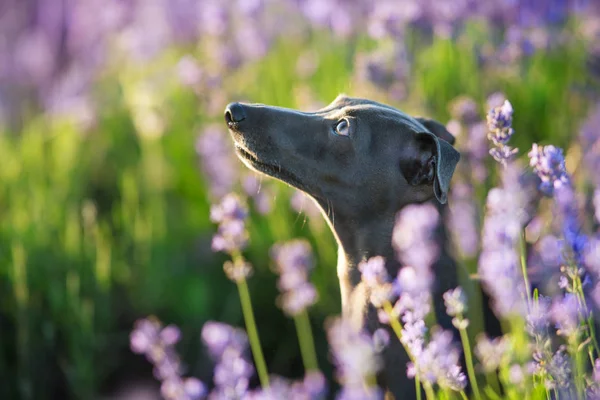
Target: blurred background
x,y
113,147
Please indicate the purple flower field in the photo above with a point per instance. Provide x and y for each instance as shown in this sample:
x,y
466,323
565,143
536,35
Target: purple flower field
x,y
140,259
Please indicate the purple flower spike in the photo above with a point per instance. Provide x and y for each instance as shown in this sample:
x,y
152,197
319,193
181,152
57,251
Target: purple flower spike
x,y
439,362
589,137
217,160
538,318
413,235
156,343
233,371
499,266
499,121
219,336
355,359
376,279
462,219
455,301
597,204
293,262
565,313
548,163
231,207
231,235
491,352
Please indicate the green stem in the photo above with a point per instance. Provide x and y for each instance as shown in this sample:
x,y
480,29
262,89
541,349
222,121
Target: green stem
x,y
492,379
259,359
397,328
396,325
579,368
307,343
523,251
464,395
429,391
469,359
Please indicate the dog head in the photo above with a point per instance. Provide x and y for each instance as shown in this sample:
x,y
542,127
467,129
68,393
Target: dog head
x,y
354,155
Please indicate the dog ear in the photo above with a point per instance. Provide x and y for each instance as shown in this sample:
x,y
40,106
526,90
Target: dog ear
x,y
437,129
431,161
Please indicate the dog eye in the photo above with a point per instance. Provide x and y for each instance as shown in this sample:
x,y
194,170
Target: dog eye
x,y
343,127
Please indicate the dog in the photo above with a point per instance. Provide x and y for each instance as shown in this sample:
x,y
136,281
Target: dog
x,y
362,162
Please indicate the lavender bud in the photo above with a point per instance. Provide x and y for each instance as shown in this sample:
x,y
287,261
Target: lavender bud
x,y
455,301
293,262
548,163
491,352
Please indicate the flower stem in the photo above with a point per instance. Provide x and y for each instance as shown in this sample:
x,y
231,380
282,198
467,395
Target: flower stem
x,y
396,325
259,359
492,379
397,328
429,391
305,338
523,251
469,359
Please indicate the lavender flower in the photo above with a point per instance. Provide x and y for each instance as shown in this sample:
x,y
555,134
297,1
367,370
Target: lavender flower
x,y
188,71
312,387
227,345
499,121
574,238
456,305
491,352
217,160
590,145
549,249
413,282
565,313
293,261
516,374
413,333
439,362
464,109
597,204
375,276
477,151
157,344
538,319
548,163
591,256
230,213
355,360
495,100
499,264
462,219
559,369
385,69
413,237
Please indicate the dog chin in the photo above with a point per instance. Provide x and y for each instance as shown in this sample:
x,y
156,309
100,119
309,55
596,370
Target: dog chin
x,y
274,170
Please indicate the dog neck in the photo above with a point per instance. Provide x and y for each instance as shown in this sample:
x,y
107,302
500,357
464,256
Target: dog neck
x,y
358,241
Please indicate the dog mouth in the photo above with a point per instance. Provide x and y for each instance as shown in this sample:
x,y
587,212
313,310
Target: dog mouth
x,y
273,170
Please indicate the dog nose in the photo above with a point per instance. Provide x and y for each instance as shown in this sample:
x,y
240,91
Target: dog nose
x,y
234,113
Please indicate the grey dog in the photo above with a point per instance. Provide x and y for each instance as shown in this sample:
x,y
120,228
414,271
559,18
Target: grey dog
x,y
362,162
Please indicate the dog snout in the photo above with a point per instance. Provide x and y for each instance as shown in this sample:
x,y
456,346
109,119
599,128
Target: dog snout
x,y
234,114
